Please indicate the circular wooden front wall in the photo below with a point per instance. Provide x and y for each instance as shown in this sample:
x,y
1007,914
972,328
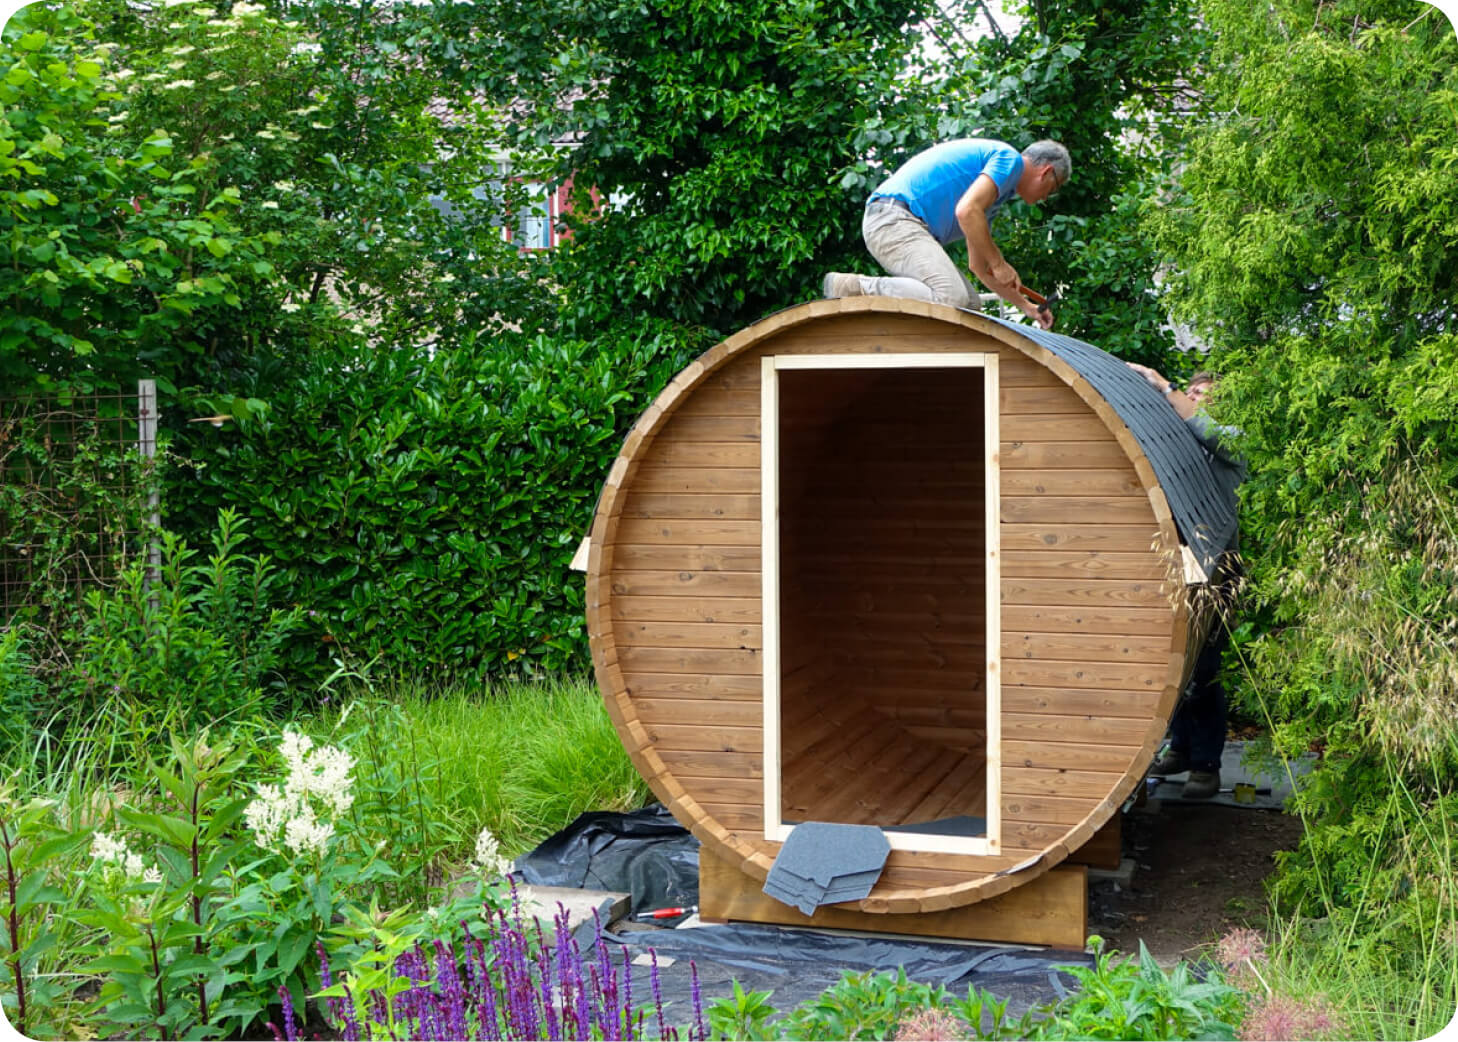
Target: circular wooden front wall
x,y
1093,633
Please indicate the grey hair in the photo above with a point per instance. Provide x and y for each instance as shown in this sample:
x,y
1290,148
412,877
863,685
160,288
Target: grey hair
x,y
1050,153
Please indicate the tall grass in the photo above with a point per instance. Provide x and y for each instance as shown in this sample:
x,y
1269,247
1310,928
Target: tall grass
x,y
522,759
1366,911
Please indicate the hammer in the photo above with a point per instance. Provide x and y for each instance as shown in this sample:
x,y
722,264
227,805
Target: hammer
x,y
1044,303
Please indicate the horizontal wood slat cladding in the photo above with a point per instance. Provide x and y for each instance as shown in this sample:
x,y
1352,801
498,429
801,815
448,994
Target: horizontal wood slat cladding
x,y
882,588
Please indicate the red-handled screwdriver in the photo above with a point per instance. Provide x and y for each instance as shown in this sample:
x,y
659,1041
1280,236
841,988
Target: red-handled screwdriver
x,y
667,913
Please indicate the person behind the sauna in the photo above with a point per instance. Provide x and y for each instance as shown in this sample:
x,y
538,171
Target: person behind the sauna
x,y
952,191
1197,729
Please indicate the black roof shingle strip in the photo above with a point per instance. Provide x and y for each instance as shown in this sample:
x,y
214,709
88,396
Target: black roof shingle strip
x,y
1204,512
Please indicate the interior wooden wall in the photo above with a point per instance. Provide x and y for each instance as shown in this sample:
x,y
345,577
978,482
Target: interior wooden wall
x,y
1086,620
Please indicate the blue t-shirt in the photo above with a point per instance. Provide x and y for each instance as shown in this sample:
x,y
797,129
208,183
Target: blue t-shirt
x,y
931,182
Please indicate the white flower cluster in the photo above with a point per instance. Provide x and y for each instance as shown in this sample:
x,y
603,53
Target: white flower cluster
x,y
488,857
114,852
318,781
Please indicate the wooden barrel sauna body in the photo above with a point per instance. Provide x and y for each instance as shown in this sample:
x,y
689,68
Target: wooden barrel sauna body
x,y
883,562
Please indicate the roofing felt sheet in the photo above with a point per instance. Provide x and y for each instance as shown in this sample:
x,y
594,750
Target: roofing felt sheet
x,y
1202,509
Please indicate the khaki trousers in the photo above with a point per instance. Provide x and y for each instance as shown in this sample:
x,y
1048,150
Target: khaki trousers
x,y
918,265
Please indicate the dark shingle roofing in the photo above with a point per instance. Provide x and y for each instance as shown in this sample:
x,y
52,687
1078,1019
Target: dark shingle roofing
x,y
1203,509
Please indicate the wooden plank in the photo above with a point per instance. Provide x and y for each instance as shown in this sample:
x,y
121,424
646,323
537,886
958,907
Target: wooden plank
x,y
722,789
732,610
1054,427
719,401
654,479
1070,756
689,660
701,763
690,506
1058,564
698,712
1087,618
1092,510
703,585
692,558
962,791
736,816
687,533
711,428
1055,727
1111,676
688,635
1109,593
1038,454
1075,701
1063,535
708,739
1090,647
691,685
670,452
1051,909
1041,399
1057,781
1047,810
1051,482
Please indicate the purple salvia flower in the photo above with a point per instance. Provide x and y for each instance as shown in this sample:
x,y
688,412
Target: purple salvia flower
x,y
701,1033
488,1011
352,1023
627,994
655,986
453,996
598,1006
276,1035
544,989
291,1028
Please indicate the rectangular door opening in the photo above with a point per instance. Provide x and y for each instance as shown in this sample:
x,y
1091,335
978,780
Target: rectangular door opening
x,y
881,599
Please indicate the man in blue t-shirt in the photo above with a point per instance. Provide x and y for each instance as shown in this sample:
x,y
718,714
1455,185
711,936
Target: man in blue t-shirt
x,y
952,191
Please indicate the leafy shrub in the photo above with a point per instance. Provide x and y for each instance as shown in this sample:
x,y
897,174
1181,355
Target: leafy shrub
x,y
198,645
427,508
214,884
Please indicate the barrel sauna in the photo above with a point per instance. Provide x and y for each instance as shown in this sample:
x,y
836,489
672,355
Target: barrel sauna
x,y
883,562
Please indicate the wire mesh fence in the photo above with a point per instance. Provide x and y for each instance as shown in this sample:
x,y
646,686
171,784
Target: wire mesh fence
x,y
76,495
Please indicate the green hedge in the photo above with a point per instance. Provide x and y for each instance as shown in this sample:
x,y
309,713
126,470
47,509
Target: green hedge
x,y
426,510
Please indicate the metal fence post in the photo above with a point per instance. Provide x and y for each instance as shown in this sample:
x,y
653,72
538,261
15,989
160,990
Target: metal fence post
x,y
147,446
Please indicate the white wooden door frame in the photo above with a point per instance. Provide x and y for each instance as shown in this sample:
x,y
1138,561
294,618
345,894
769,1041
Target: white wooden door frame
x,y
770,366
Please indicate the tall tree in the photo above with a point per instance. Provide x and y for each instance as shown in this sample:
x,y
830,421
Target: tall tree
x,y
703,138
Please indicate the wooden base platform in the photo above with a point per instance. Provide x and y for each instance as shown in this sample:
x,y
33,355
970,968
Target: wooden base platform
x,y
1051,910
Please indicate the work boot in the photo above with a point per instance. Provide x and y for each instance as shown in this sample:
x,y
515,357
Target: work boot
x,y
1171,761
840,284
1201,785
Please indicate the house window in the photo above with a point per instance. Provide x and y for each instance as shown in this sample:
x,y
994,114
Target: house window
x,y
534,225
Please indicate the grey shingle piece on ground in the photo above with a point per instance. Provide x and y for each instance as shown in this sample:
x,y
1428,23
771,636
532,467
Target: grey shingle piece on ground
x,y
823,863
1204,513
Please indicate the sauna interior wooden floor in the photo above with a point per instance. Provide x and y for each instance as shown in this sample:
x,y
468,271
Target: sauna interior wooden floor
x,y
844,762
